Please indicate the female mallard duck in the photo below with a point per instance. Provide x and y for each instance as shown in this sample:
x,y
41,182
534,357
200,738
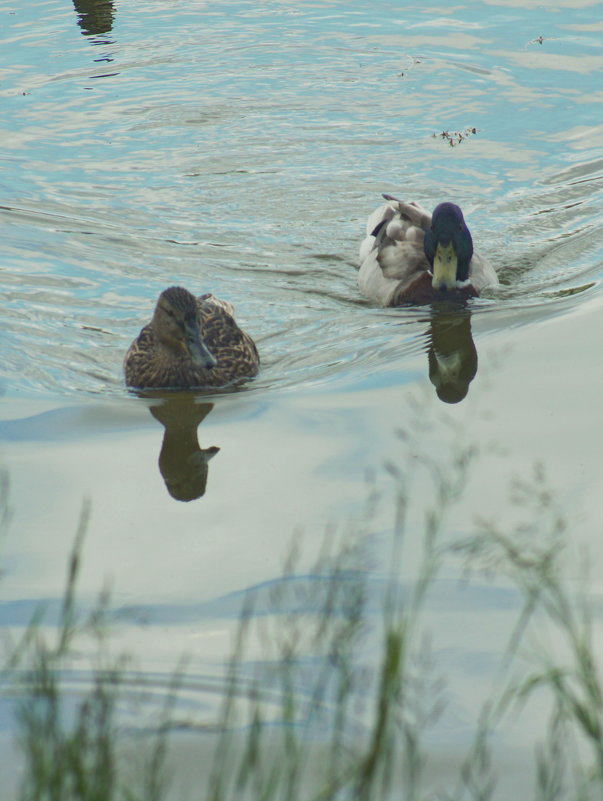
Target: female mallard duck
x,y
411,256
190,343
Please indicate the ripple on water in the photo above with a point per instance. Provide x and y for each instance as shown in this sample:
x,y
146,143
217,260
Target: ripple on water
x,y
242,158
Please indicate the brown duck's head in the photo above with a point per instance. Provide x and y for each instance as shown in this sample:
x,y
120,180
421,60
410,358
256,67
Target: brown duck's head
x,y
178,326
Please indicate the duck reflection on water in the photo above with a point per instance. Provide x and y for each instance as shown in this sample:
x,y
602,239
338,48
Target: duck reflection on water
x,y
183,464
452,355
95,17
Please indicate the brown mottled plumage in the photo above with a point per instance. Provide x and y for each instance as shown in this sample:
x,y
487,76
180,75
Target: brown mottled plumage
x,y
191,342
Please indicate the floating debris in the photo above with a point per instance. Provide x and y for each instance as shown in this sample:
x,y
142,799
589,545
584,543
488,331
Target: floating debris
x,y
541,40
456,137
412,64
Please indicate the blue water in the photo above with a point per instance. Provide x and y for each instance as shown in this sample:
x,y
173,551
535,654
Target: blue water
x,y
240,150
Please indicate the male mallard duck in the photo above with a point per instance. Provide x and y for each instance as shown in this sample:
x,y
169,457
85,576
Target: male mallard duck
x,y
412,256
190,343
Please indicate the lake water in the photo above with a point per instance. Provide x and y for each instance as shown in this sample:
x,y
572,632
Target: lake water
x,y
238,148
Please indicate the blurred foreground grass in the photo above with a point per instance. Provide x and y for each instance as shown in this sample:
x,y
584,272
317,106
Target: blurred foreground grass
x,y
345,728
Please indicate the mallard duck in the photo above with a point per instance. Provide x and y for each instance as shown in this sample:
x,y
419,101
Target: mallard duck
x,y
191,342
412,256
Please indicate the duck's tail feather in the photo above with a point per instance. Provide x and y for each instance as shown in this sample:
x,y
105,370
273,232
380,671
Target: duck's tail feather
x,y
412,211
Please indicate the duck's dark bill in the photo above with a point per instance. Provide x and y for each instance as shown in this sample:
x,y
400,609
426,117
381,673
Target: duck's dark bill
x,y
200,354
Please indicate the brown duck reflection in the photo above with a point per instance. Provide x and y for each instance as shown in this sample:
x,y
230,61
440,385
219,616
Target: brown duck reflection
x,y
183,464
95,17
452,355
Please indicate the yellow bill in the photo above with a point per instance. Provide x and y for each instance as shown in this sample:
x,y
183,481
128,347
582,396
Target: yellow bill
x,y
444,267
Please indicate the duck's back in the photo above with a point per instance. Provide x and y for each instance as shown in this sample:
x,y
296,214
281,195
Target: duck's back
x,y
392,260
234,349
